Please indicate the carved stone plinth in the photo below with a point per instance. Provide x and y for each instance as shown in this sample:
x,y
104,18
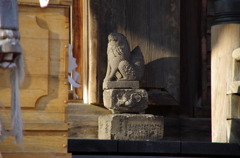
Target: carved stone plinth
x,y
130,127
126,100
120,85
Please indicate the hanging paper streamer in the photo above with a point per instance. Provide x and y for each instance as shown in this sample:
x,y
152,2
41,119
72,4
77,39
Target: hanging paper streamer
x,y
72,69
44,3
11,58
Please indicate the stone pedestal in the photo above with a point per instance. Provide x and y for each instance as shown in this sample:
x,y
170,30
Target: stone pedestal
x,y
120,85
130,127
125,100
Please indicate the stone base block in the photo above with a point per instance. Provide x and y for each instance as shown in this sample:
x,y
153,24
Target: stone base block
x,y
120,84
126,100
130,127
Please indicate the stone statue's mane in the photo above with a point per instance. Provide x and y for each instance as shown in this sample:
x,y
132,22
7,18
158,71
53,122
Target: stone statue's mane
x,y
123,64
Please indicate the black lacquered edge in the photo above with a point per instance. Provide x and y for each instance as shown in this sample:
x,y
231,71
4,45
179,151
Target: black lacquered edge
x,y
226,12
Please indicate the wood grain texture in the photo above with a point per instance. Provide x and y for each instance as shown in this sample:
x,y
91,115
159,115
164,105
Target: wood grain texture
x,y
85,52
44,33
233,87
190,56
83,120
77,20
196,129
44,93
36,144
234,126
38,117
152,25
205,64
160,97
59,2
94,47
44,126
36,155
225,39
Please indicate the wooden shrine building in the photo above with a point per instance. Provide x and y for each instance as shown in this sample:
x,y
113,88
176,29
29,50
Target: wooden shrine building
x,y
177,38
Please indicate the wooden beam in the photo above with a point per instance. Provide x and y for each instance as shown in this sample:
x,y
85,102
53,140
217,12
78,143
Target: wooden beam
x,y
36,155
77,20
94,48
51,2
190,55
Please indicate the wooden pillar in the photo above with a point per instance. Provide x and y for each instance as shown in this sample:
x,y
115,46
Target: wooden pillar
x,y
94,48
77,20
225,39
190,55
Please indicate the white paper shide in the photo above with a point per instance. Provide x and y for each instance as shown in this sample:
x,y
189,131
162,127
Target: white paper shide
x,y
44,3
75,76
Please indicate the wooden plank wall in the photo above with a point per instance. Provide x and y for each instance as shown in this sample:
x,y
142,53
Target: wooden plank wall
x,y
44,93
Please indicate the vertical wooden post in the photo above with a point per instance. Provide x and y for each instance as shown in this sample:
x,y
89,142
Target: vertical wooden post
x,y
190,55
78,40
225,39
94,48
204,62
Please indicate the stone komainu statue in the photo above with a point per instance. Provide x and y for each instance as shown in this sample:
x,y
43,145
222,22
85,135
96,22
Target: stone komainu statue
x,y
122,63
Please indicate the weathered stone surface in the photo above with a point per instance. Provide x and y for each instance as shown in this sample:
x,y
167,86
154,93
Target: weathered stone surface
x,y
120,84
130,127
126,100
233,87
123,65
